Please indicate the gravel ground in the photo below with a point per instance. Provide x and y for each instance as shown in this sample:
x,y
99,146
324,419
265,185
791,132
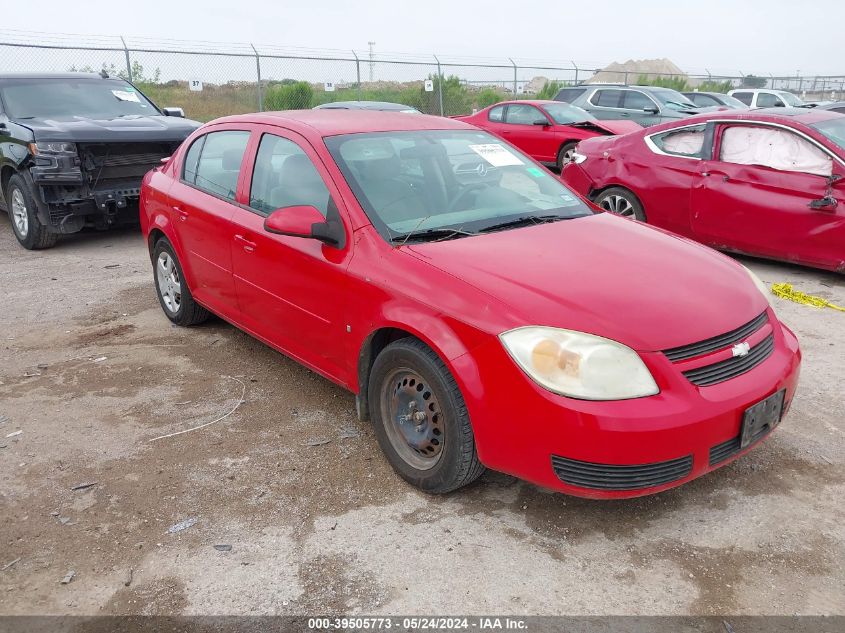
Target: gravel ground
x,y
313,518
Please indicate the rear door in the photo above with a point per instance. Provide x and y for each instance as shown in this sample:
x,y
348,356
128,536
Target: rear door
x,y
538,141
203,202
606,103
755,196
290,289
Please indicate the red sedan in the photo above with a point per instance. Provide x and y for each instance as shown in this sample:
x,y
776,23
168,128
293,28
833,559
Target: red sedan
x,y
547,131
766,182
470,301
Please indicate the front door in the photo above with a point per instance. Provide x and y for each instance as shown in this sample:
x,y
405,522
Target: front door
x,y
520,129
290,288
757,196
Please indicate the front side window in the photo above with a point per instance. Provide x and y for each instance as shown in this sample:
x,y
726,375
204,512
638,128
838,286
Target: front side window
x,y
496,114
523,115
774,148
219,162
833,130
636,100
766,100
410,182
685,142
607,98
284,176
63,99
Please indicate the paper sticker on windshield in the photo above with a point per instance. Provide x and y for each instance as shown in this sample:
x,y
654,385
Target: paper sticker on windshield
x,y
496,155
125,95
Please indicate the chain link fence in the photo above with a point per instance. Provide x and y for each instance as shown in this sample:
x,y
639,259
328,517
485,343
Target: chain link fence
x,y
210,79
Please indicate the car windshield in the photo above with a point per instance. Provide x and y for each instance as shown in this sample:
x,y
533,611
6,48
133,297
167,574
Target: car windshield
x,y
91,98
833,130
672,99
563,113
791,99
442,184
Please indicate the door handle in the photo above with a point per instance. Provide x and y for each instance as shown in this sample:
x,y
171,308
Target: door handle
x,y
183,215
249,246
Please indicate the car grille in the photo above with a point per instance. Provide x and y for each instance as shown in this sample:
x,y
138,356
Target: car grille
x,y
614,477
717,342
732,367
726,450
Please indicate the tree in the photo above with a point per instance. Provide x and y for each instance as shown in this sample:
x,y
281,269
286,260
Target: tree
x,y
716,86
487,97
753,81
289,96
675,83
551,89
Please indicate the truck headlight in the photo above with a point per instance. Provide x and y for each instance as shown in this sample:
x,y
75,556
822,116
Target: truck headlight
x,y
579,365
53,148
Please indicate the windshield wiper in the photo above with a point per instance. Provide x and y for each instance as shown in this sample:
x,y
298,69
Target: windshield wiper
x,y
525,220
429,235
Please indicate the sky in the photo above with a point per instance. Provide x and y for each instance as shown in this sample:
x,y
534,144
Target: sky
x,y
748,36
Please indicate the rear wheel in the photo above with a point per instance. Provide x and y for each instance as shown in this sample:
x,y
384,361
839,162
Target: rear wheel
x,y
28,229
172,290
564,155
421,419
621,202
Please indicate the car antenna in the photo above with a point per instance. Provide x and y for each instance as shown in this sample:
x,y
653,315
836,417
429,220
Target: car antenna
x,y
104,74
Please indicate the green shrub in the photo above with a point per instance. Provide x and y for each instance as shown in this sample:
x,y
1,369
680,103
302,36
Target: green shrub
x,y
289,96
550,89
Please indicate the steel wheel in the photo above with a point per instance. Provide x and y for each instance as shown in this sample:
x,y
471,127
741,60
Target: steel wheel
x,y
413,419
20,216
617,204
169,285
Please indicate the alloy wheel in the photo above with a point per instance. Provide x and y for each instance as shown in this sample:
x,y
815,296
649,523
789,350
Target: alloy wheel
x,y
618,205
20,216
169,285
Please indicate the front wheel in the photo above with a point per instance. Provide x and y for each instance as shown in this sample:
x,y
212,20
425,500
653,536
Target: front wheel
x,y
421,419
28,229
621,202
564,156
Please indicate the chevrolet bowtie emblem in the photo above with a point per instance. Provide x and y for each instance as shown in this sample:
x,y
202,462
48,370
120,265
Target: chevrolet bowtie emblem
x,y
740,349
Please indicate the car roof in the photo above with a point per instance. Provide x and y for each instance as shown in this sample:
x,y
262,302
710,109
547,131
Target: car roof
x,y
331,122
55,76
804,116
704,92
363,105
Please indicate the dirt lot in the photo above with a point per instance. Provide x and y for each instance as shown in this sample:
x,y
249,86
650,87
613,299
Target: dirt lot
x,y
91,371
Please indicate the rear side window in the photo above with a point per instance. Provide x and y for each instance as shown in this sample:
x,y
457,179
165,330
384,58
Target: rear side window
x,y
284,176
745,97
219,162
607,98
635,100
496,114
686,142
568,95
765,100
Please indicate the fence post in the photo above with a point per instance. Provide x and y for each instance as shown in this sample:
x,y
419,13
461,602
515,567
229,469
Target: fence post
x,y
439,84
358,73
575,66
128,65
258,75
514,77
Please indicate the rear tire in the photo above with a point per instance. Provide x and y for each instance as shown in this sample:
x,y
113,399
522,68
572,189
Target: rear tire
x,y
421,419
28,229
172,290
621,201
564,155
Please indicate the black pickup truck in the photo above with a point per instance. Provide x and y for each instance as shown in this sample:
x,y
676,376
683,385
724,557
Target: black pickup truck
x,y
73,150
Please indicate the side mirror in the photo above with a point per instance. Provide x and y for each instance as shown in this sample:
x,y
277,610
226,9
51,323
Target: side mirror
x,y
177,112
650,110
543,122
304,221
4,131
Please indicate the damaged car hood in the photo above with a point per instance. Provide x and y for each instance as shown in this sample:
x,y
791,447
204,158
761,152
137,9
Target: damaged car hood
x,y
607,276
127,128
609,126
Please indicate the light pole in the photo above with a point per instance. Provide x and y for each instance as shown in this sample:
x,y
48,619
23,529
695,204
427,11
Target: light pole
x,y
372,62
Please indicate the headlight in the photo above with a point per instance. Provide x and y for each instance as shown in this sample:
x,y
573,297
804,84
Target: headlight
x,y
579,365
43,147
760,286
577,158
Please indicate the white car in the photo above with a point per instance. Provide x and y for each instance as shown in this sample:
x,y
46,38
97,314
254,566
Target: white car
x,y
763,98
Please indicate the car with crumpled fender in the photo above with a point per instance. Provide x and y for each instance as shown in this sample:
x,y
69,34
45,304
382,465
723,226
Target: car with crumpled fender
x,y
483,314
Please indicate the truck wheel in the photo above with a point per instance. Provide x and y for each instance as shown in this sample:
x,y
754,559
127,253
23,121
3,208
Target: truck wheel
x,y
27,227
420,418
172,289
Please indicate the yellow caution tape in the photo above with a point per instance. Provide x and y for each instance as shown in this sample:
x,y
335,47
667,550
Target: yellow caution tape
x,y
785,291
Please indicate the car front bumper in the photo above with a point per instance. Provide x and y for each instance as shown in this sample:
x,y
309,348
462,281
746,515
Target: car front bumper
x,y
655,443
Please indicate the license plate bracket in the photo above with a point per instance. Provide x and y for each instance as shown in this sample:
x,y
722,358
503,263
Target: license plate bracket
x,y
761,418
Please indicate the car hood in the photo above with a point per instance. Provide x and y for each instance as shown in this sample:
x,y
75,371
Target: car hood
x,y
611,126
604,275
129,128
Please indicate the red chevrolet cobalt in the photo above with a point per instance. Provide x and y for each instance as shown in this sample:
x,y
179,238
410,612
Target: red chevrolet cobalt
x,y
483,315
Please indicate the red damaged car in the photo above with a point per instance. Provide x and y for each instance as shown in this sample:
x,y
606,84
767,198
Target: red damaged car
x,y
547,131
769,183
477,308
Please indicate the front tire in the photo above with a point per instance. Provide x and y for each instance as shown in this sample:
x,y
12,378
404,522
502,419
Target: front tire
x,y
421,419
174,296
564,155
621,201
28,229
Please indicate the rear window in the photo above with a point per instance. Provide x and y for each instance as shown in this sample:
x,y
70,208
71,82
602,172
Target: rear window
x,y
568,95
